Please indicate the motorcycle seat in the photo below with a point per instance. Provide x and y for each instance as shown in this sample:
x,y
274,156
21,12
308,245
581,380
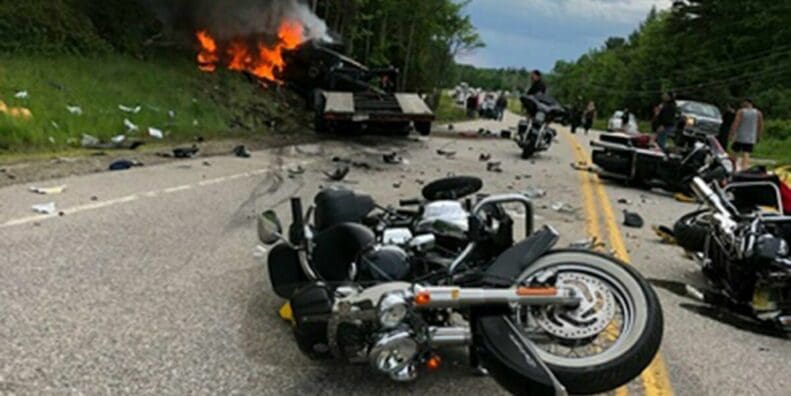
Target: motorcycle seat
x,y
339,205
337,248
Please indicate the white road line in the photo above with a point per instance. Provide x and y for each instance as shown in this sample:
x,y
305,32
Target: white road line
x,y
149,194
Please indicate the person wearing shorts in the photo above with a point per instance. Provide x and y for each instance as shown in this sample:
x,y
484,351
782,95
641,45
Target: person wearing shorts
x,y
746,131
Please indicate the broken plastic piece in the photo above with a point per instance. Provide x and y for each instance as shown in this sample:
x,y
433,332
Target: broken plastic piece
x,y
48,190
22,95
130,126
241,152
124,165
127,109
155,133
632,219
47,208
75,110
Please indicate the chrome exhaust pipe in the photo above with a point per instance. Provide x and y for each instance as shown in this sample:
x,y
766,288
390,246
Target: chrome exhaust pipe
x,y
440,337
708,196
457,297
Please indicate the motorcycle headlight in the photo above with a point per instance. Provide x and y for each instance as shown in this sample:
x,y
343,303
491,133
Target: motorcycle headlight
x,y
691,121
392,310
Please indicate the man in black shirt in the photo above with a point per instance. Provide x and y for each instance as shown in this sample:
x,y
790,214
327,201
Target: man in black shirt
x,y
536,88
727,122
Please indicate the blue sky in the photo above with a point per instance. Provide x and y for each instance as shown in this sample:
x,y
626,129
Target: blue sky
x,y
536,33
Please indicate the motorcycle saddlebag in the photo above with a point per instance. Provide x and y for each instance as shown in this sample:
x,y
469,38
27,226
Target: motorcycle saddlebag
x,y
312,307
285,273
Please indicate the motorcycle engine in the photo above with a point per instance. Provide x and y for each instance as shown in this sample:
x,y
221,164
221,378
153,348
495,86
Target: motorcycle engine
x,y
384,263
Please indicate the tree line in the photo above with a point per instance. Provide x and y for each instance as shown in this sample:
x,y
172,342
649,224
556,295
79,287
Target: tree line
x,y
717,51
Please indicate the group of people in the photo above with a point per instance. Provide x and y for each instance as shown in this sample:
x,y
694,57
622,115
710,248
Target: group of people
x,y
492,106
741,128
582,115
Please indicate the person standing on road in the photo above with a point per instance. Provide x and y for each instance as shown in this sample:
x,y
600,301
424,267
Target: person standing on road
x,y
666,120
727,123
748,126
501,106
589,116
576,114
625,117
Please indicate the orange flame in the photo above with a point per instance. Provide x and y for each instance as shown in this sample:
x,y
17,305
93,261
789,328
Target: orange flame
x,y
263,60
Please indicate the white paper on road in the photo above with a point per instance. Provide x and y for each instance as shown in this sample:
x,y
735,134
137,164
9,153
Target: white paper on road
x,y
47,208
48,190
127,109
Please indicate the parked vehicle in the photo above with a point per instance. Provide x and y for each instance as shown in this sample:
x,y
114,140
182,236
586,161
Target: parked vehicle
x,y
534,132
615,123
389,289
698,117
634,160
745,254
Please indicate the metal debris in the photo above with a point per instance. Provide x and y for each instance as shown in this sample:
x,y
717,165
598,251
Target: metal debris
x,y
562,207
534,193
494,167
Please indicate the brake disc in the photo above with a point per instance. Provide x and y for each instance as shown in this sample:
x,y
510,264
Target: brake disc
x,y
592,316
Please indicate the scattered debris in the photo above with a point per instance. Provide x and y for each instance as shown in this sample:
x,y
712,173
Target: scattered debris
x,y
451,127
592,243
562,207
446,153
127,109
118,142
241,152
48,190
206,163
632,219
494,167
338,174
171,114
74,110
484,157
22,95
582,166
393,159
534,193
94,198
624,201
505,134
124,165
47,208
397,185
186,152
198,139
155,133
51,140
130,126
292,172
118,139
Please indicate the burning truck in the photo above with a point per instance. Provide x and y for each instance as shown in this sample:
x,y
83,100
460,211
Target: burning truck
x,y
345,95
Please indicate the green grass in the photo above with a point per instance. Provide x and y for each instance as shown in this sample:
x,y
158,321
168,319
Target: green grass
x,y
448,111
775,149
209,105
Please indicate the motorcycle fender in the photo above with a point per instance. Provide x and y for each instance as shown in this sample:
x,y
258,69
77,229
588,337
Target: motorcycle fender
x,y
511,359
285,273
512,263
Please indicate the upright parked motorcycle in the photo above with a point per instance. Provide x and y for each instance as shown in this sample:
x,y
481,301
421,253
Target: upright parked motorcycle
x,y
632,159
394,289
534,133
745,254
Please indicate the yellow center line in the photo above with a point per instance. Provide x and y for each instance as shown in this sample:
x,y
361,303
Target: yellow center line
x,y
656,380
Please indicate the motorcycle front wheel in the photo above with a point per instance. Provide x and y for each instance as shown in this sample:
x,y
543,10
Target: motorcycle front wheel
x,y
610,337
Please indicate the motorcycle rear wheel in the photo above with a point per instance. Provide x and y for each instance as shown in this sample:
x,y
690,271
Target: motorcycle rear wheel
x,y
638,338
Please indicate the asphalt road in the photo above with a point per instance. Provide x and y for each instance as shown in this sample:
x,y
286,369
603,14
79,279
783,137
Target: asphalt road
x,y
151,282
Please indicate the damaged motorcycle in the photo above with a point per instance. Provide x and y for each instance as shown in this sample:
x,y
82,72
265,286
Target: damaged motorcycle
x,y
743,251
634,160
534,132
393,288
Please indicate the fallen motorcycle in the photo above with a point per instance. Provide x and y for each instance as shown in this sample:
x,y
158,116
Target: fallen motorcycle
x,y
745,254
540,321
633,160
534,132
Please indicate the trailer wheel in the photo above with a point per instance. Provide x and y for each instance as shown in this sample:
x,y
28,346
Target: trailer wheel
x,y
423,128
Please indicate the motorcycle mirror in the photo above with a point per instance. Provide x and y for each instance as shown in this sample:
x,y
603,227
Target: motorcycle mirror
x,y
269,228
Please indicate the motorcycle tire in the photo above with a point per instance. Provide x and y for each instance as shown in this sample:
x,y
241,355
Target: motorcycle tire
x,y
609,369
691,231
528,148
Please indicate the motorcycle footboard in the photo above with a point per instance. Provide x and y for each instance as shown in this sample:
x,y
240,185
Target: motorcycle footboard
x,y
511,359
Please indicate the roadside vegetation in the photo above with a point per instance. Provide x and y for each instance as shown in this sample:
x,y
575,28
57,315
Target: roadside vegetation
x,y
448,111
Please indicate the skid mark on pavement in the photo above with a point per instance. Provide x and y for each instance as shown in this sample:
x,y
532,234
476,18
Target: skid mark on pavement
x,y
148,194
655,378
